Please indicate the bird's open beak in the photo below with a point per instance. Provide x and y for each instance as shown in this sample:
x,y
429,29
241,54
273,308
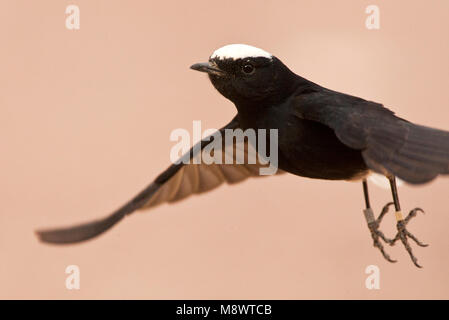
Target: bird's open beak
x,y
208,68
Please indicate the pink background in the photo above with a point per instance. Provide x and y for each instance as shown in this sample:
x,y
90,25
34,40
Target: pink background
x,y
85,118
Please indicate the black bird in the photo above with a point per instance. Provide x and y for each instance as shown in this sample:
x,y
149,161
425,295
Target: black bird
x,y
322,134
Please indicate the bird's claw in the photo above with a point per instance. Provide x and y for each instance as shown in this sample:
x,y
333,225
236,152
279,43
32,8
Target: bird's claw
x,y
403,235
376,234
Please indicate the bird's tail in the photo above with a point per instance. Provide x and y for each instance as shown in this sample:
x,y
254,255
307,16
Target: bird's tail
x,y
423,155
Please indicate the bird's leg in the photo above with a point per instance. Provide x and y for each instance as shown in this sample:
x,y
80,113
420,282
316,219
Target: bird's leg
x,y
403,234
373,223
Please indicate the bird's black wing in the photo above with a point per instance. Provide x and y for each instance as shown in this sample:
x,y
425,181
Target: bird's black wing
x,y
177,182
389,145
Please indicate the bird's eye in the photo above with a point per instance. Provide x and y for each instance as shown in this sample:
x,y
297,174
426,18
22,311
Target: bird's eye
x,y
248,68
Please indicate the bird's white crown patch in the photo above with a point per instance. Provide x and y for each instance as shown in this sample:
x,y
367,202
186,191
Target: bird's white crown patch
x,y
239,51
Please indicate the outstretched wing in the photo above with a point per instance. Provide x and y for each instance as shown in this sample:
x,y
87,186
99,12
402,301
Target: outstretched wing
x,y
176,183
390,145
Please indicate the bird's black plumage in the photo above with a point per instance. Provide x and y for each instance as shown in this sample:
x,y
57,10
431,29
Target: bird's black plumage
x,y
327,134
323,134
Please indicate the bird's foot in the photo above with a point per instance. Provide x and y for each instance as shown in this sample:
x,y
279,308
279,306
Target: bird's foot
x,y
376,234
403,234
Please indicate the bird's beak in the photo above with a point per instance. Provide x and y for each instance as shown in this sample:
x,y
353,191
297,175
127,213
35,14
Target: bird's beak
x,y
207,67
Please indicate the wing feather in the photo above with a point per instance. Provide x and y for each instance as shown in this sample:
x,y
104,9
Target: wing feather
x,y
176,183
389,145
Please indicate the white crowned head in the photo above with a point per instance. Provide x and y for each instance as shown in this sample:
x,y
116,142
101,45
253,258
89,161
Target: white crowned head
x,y
239,51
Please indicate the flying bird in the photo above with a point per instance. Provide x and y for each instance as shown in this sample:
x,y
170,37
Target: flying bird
x,y
322,134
